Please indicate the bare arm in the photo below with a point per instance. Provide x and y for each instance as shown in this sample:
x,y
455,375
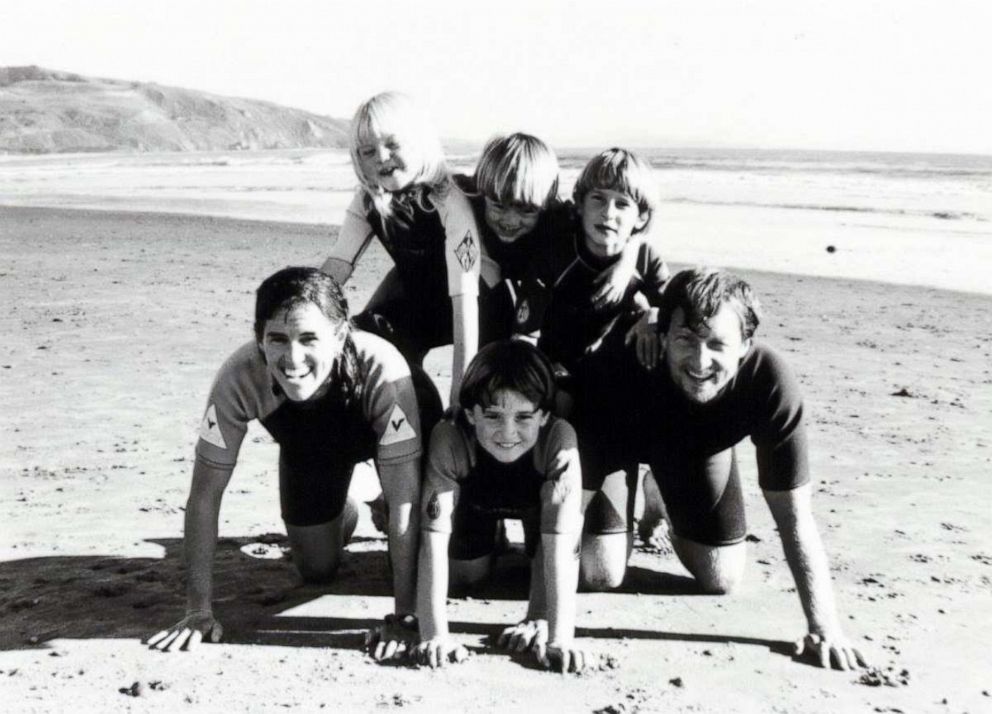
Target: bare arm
x,y
401,487
199,544
465,309
200,537
807,560
432,585
561,571
436,646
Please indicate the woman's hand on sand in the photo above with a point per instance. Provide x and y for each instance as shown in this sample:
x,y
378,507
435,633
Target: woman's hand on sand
x,y
188,632
394,638
565,658
438,651
524,636
830,651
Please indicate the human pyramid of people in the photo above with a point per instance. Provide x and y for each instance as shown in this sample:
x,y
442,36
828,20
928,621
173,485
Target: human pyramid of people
x,y
576,357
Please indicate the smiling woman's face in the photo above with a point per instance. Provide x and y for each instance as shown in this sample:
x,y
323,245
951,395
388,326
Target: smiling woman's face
x,y
301,346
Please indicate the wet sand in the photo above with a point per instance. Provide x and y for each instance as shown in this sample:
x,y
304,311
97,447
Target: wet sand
x,y
114,326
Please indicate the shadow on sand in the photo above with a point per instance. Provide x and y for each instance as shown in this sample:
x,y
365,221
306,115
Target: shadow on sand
x,y
82,597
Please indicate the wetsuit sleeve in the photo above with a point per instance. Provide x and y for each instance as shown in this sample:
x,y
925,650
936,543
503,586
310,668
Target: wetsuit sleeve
x,y
355,235
780,434
390,403
229,409
653,270
462,247
447,465
561,494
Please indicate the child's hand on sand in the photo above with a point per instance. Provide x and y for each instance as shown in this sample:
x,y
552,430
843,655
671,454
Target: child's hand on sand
x,y
188,632
565,658
393,639
438,651
830,651
525,635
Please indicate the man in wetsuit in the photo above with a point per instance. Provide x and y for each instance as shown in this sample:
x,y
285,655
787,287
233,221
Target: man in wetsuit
x,y
715,386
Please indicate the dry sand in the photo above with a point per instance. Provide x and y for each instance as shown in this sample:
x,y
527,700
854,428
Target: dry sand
x,y
114,325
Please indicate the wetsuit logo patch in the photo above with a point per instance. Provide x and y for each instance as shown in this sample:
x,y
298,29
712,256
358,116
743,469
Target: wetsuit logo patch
x,y
210,429
523,312
397,428
434,507
467,252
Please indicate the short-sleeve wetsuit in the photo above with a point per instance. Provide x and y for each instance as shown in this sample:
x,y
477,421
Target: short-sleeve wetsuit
x,y
434,244
541,488
320,440
690,446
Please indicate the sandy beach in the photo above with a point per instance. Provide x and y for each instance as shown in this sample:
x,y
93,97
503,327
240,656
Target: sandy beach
x,y
115,325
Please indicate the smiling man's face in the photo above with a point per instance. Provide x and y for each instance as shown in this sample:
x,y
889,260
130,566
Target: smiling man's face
x,y
702,362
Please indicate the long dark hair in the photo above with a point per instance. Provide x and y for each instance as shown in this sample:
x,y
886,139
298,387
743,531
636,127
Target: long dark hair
x,y
512,365
295,286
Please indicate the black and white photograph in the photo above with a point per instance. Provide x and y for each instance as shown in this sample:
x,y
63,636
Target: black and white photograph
x,y
528,356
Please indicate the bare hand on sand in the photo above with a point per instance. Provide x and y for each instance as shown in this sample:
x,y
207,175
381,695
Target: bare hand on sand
x,y
830,651
393,639
188,632
565,659
437,651
525,635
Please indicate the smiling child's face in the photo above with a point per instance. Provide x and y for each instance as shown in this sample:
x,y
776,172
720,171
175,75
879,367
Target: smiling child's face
x,y
508,428
389,160
511,221
609,218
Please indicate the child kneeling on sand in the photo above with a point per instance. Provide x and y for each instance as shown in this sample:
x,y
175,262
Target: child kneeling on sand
x,y
503,456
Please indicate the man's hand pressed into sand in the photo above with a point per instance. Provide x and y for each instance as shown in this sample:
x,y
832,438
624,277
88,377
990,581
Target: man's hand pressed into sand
x,y
188,632
831,651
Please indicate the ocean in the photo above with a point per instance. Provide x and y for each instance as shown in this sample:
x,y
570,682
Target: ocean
x,y
922,219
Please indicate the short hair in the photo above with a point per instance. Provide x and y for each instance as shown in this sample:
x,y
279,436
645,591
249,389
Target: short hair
x,y
620,170
397,113
292,287
513,365
518,168
701,292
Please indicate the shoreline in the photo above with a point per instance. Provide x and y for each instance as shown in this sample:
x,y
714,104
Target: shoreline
x,y
328,229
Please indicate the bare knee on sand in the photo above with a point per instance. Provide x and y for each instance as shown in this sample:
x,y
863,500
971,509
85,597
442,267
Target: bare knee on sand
x,y
603,563
719,570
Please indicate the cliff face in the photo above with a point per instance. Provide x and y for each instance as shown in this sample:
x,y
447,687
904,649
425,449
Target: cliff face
x,y
46,111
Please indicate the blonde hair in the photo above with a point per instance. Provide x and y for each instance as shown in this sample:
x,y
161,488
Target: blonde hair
x,y
620,170
518,168
397,113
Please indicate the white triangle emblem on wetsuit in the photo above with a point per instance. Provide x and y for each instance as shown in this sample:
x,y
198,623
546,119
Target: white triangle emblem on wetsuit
x,y
397,428
210,429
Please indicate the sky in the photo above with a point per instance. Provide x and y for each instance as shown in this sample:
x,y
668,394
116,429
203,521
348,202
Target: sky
x,y
901,75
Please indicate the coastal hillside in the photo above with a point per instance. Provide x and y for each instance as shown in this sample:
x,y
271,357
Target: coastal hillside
x,y
46,111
